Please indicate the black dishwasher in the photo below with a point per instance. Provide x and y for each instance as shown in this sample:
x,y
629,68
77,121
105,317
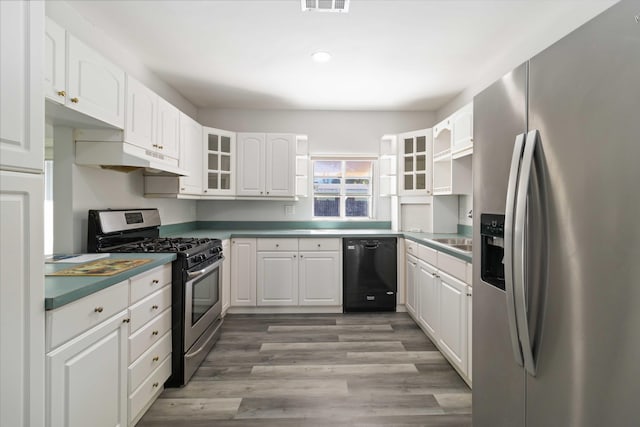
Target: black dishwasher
x,y
369,274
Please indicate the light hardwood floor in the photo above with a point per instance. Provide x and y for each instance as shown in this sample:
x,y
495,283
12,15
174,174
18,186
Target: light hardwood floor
x,y
372,369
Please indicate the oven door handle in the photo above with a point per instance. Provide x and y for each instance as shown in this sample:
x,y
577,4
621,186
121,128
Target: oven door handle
x,y
206,270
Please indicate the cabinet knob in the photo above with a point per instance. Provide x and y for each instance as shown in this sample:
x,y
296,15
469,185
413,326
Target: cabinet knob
x,y
294,256
155,281
318,244
62,93
98,310
126,320
154,333
155,385
156,358
155,145
301,256
434,275
277,245
205,191
267,192
181,188
469,294
154,307
261,192
161,147
75,100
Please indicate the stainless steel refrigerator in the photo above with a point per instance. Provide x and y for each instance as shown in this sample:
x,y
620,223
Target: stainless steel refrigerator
x,y
556,261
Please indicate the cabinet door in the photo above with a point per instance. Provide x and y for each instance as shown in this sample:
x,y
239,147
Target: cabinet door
x,y
168,139
452,324
190,155
243,272
88,378
226,276
95,85
142,115
219,162
319,278
415,154
54,62
21,298
277,278
280,165
428,310
462,133
251,162
410,278
21,105
469,332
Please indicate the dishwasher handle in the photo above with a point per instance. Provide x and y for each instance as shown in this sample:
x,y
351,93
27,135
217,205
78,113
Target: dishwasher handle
x,y
375,245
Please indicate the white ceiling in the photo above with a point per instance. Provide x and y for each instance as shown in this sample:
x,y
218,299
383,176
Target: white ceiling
x,y
387,54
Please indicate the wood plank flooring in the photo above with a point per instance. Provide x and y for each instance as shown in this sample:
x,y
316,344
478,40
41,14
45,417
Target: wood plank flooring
x,y
370,369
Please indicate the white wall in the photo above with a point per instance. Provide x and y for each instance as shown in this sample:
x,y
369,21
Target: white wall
x,y
66,16
330,132
523,48
80,188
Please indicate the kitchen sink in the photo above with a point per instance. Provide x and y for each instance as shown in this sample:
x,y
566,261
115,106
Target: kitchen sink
x,y
460,243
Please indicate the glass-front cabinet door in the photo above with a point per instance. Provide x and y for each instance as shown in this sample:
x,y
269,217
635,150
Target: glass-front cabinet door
x,y
219,162
415,151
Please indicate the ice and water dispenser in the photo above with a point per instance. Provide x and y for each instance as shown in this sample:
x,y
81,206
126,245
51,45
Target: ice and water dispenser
x,y
492,249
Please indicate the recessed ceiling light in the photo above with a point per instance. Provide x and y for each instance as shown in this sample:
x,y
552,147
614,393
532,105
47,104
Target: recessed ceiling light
x,y
321,56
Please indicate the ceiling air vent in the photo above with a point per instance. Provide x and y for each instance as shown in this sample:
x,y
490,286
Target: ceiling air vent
x,y
325,5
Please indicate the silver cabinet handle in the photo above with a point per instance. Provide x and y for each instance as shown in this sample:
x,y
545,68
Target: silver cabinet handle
x,y
508,246
98,309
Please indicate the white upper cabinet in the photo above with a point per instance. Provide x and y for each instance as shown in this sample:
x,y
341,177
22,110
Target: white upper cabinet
x,y
95,85
142,115
415,162
266,165
251,164
219,162
190,155
452,146
462,132
21,106
280,165
168,137
54,62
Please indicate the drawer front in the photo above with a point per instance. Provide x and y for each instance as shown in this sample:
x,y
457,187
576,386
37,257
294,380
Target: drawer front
x,y
277,244
319,244
427,254
148,308
149,282
411,247
149,361
141,397
453,266
149,334
74,318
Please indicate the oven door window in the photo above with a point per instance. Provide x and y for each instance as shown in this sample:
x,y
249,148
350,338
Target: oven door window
x,y
205,294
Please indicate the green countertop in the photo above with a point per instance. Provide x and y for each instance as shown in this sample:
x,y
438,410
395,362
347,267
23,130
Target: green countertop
x,y
61,290
422,238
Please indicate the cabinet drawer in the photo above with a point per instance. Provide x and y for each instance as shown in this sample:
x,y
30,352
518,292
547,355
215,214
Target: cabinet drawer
x,y
428,254
319,244
150,360
411,247
149,282
453,266
79,316
149,389
277,244
149,334
148,308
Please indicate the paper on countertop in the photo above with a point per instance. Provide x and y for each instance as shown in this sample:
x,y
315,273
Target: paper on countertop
x,y
74,258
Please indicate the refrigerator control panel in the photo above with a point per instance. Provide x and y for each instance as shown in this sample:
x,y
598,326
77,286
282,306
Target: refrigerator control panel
x,y
492,249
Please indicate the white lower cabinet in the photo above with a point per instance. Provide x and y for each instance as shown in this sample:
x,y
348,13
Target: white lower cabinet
x,y
277,278
243,272
286,272
226,276
410,277
110,353
440,303
87,378
319,278
428,298
452,335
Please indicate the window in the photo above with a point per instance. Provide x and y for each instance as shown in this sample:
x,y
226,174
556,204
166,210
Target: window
x,y
342,188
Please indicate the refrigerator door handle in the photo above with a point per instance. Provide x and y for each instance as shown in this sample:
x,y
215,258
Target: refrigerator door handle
x,y
508,246
519,252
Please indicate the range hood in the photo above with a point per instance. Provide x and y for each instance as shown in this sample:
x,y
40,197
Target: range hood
x,y
106,148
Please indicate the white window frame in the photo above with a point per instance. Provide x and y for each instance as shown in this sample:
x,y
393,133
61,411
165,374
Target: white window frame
x,y
342,195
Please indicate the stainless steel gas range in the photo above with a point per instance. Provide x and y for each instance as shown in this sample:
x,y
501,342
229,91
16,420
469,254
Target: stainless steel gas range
x,y
196,279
